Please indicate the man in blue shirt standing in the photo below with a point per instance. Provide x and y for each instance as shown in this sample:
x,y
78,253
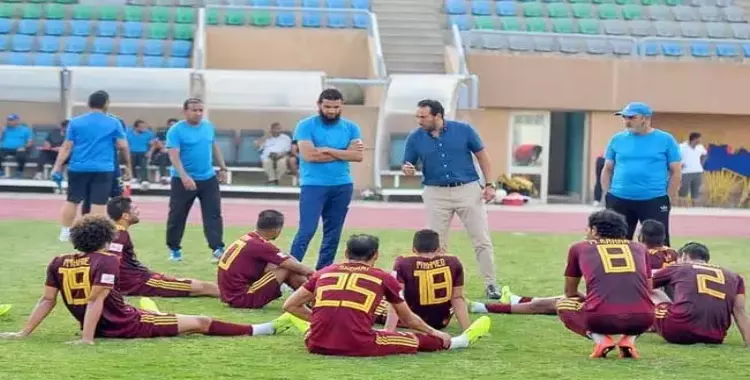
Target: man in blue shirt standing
x,y
16,140
451,185
327,143
192,149
642,169
90,143
140,139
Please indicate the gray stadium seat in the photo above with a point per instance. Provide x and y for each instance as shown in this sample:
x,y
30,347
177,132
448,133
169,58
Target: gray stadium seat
x,y
640,28
717,30
615,27
544,44
666,28
598,46
691,29
709,14
621,47
520,43
734,14
741,31
571,45
659,13
684,13
494,42
723,3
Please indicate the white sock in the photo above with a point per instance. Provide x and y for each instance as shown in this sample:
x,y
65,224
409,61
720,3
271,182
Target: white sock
x,y
515,300
264,329
286,289
461,341
597,338
478,307
64,234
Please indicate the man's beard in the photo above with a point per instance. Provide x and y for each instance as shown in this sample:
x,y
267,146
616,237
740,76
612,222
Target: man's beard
x,y
328,120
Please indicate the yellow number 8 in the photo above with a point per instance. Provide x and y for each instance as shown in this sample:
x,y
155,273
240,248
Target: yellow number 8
x,y
608,253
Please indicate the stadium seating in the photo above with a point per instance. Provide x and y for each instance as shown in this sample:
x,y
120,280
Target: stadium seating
x,y
606,27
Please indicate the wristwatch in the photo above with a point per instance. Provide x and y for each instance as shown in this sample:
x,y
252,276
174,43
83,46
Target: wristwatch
x,y
490,184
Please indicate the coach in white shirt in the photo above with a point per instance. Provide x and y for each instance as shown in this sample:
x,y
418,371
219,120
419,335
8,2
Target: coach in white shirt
x,y
274,153
693,157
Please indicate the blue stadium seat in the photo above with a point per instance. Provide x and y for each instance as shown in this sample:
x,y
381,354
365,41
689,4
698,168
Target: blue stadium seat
x,y
30,27
398,142
106,29
3,43
311,19
97,60
20,59
727,50
672,49
126,61
129,46
286,19
70,59
225,140
81,28
153,47
461,21
336,4
651,49
21,43
75,44
481,7
132,29
153,61
337,20
361,21
5,25
181,48
361,4
104,45
49,44
312,4
261,3
286,3
178,63
248,154
506,8
746,50
700,50
455,7
45,59
54,27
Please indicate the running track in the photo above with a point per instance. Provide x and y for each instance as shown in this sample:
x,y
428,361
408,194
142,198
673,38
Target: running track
x,y
544,219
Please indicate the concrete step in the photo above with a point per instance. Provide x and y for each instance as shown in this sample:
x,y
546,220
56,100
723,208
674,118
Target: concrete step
x,y
424,52
409,33
414,8
411,69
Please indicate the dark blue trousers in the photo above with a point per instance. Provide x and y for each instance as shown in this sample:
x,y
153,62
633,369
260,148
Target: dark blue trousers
x,y
331,203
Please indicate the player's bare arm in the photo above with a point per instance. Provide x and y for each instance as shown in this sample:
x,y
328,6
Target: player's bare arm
x,y
291,264
93,313
413,322
460,309
675,178
571,288
606,179
295,304
352,153
62,155
391,320
740,318
45,305
124,152
312,154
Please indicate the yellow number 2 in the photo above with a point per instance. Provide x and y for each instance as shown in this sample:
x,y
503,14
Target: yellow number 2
x,y
429,286
608,253
71,282
347,282
716,276
231,253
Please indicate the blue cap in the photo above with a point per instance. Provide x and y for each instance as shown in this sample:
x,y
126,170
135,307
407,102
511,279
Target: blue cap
x,y
13,117
636,109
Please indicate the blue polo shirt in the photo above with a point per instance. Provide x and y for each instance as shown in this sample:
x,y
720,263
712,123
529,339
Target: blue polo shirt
x,y
447,158
16,137
335,136
139,142
94,136
195,143
641,164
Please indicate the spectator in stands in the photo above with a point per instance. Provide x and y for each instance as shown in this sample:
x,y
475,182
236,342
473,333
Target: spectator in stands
x,y
293,160
140,139
192,148
274,153
48,151
17,138
159,155
694,156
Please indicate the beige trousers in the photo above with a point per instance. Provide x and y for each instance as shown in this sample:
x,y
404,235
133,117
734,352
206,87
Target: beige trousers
x,y
467,202
275,173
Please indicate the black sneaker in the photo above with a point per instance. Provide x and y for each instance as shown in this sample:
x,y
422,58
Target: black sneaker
x,y
493,292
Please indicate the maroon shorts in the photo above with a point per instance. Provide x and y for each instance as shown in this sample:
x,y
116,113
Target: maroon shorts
x,y
678,332
160,285
385,343
150,325
260,293
438,322
577,320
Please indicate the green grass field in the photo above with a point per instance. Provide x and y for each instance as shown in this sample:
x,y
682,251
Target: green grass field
x,y
521,347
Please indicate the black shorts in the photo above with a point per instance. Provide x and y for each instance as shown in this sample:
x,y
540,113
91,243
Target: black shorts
x,y
93,186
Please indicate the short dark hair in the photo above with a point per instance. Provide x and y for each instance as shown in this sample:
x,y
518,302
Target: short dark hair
x,y
426,241
362,247
609,224
172,120
118,206
696,251
435,107
653,232
92,233
694,136
330,94
98,100
189,101
270,220
137,122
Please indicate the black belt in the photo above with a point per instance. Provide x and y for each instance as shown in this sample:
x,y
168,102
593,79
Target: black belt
x,y
452,184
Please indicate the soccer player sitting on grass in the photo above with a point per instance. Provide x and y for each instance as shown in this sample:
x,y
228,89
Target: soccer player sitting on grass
x,y
706,297
135,279
432,283
345,298
252,269
87,282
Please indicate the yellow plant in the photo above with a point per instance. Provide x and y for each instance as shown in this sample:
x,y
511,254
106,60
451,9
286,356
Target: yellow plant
x,y
721,185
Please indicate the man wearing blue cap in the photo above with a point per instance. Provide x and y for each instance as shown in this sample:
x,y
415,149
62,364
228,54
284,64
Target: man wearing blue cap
x,y
642,169
15,142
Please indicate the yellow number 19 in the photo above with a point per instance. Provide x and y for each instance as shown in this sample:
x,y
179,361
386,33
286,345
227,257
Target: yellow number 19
x,y
71,282
429,286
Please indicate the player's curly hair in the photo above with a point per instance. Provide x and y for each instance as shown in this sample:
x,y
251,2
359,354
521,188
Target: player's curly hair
x,y
696,251
609,224
92,233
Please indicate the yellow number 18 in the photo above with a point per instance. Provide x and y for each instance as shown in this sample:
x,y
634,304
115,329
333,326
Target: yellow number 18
x,y
429,286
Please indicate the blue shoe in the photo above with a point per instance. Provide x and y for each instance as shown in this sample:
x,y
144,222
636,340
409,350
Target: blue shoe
x,y
216,255
175,255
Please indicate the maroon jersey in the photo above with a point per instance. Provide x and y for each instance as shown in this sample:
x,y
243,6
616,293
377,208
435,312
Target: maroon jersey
x,y
661,257
244,263
74,275
133,274
703,296
616,275
346,296
428,284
